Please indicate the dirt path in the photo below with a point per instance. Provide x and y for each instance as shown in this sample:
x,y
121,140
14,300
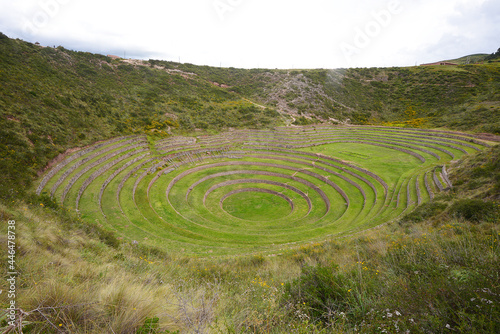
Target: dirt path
x,y
283,114
258,105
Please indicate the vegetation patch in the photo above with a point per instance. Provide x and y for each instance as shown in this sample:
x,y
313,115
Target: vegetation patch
x,y
253,190
424,212
474,209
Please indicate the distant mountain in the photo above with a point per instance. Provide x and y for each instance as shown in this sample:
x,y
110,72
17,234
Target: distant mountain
x,y
470,59
476,58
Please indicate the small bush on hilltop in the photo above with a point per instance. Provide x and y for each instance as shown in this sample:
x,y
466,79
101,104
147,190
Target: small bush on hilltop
x,y
493,55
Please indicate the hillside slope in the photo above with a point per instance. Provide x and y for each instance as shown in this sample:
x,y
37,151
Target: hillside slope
x,y
431,96
55,99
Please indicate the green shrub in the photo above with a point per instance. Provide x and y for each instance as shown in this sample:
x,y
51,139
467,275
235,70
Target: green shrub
x,y
45,200
481,171
108,237
473,210
70,222
322,292
151,326
301,120
491,128
423,212
253,261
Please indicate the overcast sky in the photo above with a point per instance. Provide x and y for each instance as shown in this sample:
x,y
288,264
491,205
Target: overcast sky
x,y
262,33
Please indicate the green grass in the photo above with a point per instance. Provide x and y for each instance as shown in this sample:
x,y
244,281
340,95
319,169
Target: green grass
x,y
256,206
351,186
389,168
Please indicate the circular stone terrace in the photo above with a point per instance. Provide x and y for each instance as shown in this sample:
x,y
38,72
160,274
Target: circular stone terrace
x,y
251,191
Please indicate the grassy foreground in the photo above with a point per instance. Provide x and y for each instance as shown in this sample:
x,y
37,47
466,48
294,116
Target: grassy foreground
x,y
435,270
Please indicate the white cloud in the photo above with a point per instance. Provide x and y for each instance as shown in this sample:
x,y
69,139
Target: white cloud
x,y
259,33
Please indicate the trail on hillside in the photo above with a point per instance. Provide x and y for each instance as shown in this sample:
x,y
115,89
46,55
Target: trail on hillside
x,y
281,112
